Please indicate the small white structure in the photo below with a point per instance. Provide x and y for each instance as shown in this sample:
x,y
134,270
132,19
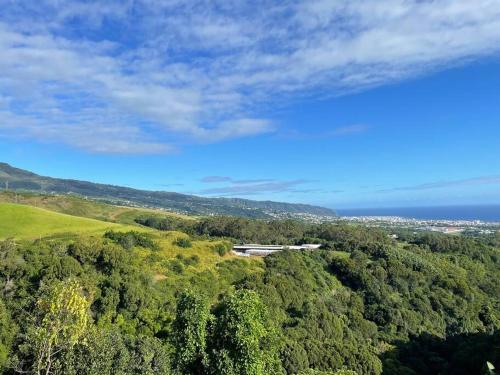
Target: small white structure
x,y
240,254
263,250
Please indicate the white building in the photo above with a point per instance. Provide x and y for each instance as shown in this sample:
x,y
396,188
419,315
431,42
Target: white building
x,y
263,250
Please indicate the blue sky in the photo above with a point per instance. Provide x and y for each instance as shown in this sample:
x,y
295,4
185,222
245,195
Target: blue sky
x,y
338,103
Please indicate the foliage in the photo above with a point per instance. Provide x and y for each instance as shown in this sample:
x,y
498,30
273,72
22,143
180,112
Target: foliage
x,y
62,321
183,242
323,325
424,304
190,331
8,330
192,260
285,232
241,341
171,223
319,372
459,354
111,352
128,240
238,338
223,248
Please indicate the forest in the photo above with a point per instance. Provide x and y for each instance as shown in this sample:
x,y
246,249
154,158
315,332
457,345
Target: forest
x,y
365,303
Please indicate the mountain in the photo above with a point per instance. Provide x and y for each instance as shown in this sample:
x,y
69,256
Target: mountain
x,y
18,179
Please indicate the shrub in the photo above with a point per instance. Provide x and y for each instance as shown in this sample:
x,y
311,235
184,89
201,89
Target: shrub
x,y
176,266
183,242
223,248
128,240
189,261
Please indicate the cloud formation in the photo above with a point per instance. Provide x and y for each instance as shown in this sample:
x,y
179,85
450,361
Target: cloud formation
x,y
252,188
213,179
245,187
140,76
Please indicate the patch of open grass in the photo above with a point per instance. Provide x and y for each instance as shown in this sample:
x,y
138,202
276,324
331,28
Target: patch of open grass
x,y
80,206
169,253
27,222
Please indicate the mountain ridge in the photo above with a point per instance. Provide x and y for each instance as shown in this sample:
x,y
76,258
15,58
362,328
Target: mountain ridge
x,y
20,179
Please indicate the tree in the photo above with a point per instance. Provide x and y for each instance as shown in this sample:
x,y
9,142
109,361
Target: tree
x,y
8,330
243,341
63,321
190,331
318,372
10,265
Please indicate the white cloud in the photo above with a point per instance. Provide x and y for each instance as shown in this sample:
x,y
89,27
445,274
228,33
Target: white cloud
x,y
147,74
258,187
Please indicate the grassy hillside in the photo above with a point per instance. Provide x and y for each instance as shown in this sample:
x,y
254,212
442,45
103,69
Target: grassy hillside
x,y
88,208
27,222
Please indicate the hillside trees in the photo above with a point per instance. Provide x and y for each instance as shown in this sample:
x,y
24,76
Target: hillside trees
x,y
62,321
243,340
285,232
365,303
190,333
237,338
322,323
8,330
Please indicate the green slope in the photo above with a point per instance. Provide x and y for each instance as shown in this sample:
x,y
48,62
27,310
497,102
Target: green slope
x,y
88,208
21,180
28,222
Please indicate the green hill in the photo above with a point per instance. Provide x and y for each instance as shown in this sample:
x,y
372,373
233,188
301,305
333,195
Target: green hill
x,y
19,179
26,222
78,206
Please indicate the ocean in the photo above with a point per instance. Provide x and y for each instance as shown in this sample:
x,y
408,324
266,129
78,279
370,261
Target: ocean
x,y
479,212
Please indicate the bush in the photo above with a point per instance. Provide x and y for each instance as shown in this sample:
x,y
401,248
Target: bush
x,y
176,266
223,248
183,242
189,261
128,240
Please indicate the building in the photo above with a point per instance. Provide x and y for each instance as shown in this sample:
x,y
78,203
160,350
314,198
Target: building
x,y
263,250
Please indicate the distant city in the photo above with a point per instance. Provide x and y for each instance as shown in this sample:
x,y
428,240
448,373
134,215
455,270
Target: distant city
x,y
487,213
437,225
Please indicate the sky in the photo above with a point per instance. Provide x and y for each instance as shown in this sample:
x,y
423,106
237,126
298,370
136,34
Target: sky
x,y
339,103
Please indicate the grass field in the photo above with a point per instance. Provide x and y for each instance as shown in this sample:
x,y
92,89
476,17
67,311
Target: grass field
x,y
79,206
27,222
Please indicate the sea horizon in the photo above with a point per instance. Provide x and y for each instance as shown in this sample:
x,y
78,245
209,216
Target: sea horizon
x,y
482,212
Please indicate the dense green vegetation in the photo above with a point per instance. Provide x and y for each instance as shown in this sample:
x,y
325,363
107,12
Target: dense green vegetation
x,y
92,306
139,301
286,232
133,238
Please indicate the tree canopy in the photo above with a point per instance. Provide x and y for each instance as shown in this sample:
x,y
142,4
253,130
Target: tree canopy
x,y
364,303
